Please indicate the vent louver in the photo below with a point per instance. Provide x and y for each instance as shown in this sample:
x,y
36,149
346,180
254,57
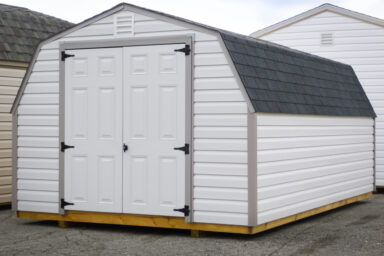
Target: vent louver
x,y
124,24
326,39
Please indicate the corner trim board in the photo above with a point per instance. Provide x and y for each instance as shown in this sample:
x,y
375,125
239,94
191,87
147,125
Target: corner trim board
x,y
178,222
374,153
14,160
252,168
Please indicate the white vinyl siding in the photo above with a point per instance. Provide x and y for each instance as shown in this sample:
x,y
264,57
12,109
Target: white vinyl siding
x,y
10,80
220,126
304,162
355,42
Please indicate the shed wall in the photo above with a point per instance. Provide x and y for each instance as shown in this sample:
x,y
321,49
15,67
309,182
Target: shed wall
x,y
304,162
10,80
220,126
355,42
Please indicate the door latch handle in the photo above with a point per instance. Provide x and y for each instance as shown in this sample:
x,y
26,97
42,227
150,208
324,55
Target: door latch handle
x,y
64,146
185,148
125,147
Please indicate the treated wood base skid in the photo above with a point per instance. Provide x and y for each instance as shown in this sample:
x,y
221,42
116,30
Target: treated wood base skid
x,y
176,222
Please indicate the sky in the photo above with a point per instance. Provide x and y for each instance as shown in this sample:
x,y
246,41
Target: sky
x,y
241,16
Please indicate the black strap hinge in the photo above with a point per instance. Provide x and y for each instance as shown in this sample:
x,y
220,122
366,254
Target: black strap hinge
x,y
184,210
63,203
185,148
63,146
65,55
186,49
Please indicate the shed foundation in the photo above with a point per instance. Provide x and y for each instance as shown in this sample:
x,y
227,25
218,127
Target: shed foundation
x,y
177,222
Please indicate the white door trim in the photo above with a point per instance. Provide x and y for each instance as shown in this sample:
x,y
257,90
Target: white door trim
x,y
185,39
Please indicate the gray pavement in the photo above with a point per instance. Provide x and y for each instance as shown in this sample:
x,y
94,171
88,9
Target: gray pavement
x,y
357,229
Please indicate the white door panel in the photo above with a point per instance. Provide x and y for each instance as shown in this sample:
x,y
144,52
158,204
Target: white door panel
x,y
93,125
134,95
154,123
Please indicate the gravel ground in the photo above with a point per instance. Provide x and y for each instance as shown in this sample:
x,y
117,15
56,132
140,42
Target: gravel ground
x,y
357,229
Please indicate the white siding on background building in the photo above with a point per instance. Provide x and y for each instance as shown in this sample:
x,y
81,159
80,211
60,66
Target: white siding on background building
x,y
355,42
304,162
10,80
220,126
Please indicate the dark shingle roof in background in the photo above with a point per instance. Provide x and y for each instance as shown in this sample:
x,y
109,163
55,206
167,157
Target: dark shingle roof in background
x,y
282,80
21,30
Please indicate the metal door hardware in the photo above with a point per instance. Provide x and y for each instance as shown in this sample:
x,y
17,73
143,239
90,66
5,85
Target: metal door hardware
x,y
185,148
63,203
184,210
65,55
186,50
63,146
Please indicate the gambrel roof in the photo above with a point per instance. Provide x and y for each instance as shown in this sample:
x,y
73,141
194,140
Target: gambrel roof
x,y
21,30
276,79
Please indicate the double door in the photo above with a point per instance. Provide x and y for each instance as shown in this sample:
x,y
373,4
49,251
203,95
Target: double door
x,y
124,115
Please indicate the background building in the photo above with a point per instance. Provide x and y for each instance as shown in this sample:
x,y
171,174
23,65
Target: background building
x,y
346,36
21,30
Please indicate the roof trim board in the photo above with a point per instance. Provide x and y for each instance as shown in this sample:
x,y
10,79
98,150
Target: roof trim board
x,y
315,11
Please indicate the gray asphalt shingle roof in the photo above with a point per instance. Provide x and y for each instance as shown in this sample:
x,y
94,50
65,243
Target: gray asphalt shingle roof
x,y
21,30
282,80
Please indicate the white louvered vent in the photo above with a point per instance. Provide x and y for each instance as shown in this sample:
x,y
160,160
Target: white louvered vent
x,y
326,39
124,24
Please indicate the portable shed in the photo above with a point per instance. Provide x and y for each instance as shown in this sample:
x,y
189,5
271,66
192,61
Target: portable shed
x,y
346,36
138,117
20,32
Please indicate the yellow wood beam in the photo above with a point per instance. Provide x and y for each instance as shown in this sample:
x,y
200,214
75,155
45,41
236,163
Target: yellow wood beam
x,y
133,220
63,224
197,233
177,222
306,214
